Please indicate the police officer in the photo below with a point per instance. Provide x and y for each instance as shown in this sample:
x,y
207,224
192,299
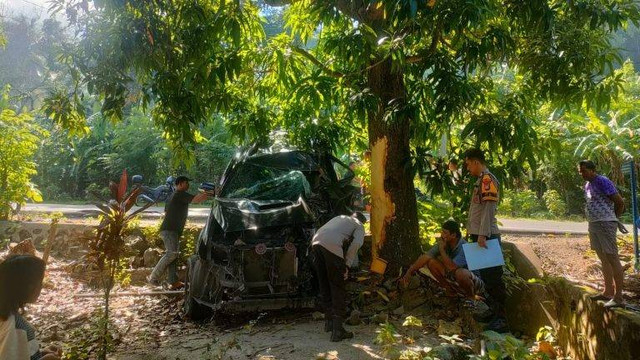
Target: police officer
x,y
335,247
482,226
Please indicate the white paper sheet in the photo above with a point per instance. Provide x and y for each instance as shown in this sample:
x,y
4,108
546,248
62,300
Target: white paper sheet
x,y
481,258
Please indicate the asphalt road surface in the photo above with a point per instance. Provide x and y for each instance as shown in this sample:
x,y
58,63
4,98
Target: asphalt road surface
x,y
199,214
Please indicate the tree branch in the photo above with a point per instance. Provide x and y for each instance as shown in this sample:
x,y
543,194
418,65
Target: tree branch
x,y
435,40
366,11
318,63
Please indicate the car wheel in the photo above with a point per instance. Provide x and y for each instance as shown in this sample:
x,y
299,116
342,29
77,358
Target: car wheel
x,y
193,309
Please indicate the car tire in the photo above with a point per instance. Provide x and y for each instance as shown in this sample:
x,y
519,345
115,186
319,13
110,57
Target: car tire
x,y
193,309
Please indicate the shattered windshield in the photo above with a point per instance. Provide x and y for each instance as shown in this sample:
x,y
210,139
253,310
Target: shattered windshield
x,y
257,182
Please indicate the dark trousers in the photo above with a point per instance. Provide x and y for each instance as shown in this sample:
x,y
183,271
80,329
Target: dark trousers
x,y
494,284
330,270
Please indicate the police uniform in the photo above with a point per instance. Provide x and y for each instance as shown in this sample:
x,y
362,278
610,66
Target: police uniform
x,y
335,247
483,222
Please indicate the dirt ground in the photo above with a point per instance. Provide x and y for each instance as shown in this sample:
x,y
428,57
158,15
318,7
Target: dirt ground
x,y
572,258
154,327
299,338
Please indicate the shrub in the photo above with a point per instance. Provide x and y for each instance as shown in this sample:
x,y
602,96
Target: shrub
x,y
520,203
555,204
19,139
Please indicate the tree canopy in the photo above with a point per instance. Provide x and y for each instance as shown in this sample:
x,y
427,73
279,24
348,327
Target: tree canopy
x,y
398,77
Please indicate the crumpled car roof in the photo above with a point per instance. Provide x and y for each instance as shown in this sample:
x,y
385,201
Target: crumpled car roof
x,y
252,206
292,160
237,215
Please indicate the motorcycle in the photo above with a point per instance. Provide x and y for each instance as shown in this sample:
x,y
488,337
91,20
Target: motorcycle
x,y
160,193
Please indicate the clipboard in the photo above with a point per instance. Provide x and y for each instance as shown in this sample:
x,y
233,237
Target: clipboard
x,y
480,258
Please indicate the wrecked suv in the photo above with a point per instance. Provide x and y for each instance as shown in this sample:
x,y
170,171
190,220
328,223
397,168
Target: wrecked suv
x,y
253,253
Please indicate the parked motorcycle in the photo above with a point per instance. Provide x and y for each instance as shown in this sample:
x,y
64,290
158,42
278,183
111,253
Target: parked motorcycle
x,y
160,193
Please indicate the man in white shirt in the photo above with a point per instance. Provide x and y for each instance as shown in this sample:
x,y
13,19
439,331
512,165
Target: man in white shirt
x,y
335,247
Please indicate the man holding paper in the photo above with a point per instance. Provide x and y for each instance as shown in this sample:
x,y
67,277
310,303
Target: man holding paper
x,y
482,225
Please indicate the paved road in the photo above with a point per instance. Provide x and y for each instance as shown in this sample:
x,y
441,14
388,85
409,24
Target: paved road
x,y
199,214
80,211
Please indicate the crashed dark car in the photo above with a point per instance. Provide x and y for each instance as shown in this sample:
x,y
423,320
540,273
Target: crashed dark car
x,y
253,252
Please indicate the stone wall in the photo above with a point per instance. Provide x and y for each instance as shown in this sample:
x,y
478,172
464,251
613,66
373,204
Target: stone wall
x,y
71,242
70,239
585,329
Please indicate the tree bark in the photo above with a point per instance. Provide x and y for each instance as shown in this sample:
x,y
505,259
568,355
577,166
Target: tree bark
x,y
394,220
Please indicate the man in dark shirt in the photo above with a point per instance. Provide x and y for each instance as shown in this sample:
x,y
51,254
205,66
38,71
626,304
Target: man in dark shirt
x,y
175,218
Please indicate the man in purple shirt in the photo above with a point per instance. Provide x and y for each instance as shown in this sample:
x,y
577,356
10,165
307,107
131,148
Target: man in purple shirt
x,y
604,206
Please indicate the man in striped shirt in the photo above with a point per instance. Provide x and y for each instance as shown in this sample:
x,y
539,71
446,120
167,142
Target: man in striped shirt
x,y
604,206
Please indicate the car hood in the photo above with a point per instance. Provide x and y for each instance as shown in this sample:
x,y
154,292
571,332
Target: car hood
x,y
234,215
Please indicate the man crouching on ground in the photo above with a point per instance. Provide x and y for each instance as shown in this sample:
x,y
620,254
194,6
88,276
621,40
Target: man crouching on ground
x,y
447,263
334,249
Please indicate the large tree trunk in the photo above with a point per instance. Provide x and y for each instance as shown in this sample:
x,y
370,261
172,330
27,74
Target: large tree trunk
x,y
394,221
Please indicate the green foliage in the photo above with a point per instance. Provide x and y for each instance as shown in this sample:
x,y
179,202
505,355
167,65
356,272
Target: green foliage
x,y
122,276
19,139
559,171
136,145
546,333
179,56
29,59
432,213
84,340
607,136
556,206
512,280
410,355
501,346
74,168
520,203
189,241
314,91
412,321
388,337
